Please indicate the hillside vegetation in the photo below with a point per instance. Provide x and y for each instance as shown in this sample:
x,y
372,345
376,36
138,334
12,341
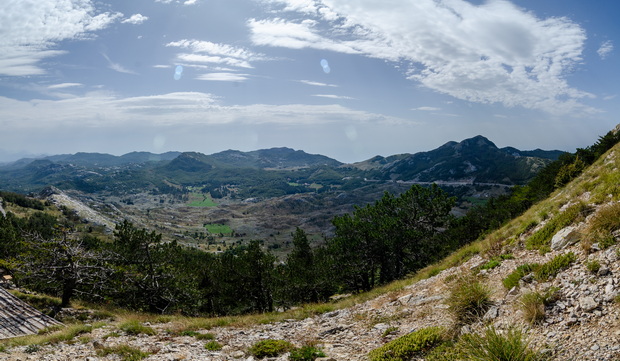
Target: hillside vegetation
x,y
548,268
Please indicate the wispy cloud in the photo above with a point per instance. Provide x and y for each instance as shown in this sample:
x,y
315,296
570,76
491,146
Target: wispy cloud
x,y
606,48
236,77
64,85
495,52
117,67
135,19
332,96
427,109
32,28
209,55
308,82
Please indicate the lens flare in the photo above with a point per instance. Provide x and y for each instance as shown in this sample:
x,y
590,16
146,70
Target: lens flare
x,y
325,66
178,72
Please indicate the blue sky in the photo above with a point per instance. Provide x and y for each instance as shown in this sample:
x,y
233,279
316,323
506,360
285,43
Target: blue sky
x,y
349,79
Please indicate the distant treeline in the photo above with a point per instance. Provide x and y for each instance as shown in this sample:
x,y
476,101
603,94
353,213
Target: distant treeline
x,y
375,244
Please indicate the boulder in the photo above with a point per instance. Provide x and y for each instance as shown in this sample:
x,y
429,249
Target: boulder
x,y
565,237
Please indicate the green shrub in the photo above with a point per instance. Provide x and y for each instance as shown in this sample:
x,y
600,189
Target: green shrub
x,y
469,300
405,347
533,307
306,353
553,267
389,330
491,264
135,328
593,266
126,352
447,351
270,348
542,238
493,346
213,346
512,280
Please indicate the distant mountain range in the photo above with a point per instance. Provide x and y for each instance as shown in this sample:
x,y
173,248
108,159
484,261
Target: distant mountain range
x,y
270,172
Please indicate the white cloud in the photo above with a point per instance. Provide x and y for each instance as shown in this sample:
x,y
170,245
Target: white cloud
x,y
223,77
489,53
282,33
186,2
135,19
308,82
427,109
610,97
64,85
32,28
208,52
332,96
606,48
105,110
118,67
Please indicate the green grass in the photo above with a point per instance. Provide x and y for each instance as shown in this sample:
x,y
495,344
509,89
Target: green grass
x,y
553,267
542,238
270,348
201,200
218,228
512,280
213,345
406,347
494,346
469,300
134,327
125,352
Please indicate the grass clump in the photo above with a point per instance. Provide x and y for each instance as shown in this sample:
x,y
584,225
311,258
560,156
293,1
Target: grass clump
x,y
494,346
542,238
553,267
405,347
126,352
134,327
270,348
306,353
593,266
533,307
213,346
469,300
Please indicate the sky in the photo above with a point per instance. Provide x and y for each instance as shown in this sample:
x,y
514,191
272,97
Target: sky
x,y
349,79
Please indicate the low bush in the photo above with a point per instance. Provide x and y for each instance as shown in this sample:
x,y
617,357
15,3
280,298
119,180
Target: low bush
x,y
542,238
405,347
270,348
593,266
126,352
512,280
306,353
553,267
213,346
469,300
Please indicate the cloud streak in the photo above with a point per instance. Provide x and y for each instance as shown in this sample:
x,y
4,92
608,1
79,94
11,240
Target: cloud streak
x,y
606,48
32,28
489,53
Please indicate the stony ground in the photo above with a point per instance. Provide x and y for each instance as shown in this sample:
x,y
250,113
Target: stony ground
x,y
582,324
